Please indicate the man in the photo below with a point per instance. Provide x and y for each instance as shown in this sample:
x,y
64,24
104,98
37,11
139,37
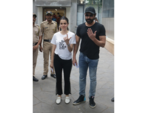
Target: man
x,y
54,17
45,18
48,28
36,42
93,37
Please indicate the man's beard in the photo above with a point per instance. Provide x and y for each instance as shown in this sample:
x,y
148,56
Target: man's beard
x,y
89,21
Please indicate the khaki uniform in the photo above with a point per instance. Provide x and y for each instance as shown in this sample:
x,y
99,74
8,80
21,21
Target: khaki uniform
x,y
36,34
48,30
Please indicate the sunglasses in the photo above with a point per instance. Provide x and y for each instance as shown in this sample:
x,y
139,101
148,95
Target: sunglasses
x,y
89,15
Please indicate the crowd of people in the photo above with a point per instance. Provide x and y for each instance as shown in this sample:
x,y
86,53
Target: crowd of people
x,y
58,44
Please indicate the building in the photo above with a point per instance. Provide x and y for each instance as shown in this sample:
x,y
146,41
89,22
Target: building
x,y
74,11
108,22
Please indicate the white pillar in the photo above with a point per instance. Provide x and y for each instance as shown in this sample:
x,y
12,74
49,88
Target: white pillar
x,y
39,15
68,15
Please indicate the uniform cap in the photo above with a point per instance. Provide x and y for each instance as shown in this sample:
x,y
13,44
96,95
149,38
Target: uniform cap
x,y
49,12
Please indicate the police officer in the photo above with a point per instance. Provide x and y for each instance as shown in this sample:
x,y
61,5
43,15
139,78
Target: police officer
x,y
36,42
48,28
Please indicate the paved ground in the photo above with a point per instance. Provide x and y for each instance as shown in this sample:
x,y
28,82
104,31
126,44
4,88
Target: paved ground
x,y
44,90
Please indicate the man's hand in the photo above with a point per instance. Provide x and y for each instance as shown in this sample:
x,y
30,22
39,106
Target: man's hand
x,y
35,47
74,61
66,39
51,65
41,49
91,34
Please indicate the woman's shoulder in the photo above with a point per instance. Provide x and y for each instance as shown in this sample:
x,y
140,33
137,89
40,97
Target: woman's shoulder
x,y
71,33
57,33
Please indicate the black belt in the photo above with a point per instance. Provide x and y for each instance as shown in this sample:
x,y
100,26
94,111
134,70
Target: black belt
x,y
34,44
47,40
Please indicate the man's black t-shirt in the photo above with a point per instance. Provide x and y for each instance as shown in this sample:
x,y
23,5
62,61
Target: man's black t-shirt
x,y
88,47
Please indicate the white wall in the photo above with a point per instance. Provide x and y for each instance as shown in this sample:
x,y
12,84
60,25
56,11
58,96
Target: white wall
x,y
73,16
39,15
109,26
68,15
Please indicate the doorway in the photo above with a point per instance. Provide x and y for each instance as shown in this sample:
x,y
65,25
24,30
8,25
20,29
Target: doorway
x,y
58,11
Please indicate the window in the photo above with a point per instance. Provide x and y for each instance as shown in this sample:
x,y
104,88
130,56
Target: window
x,y
108,8
80,14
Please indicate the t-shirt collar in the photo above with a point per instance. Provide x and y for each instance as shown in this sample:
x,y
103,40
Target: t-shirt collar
x,y
50,23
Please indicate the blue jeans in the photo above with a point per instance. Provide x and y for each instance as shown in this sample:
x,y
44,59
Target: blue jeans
x,y
84,63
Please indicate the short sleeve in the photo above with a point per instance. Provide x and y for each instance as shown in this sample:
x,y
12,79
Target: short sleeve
x,y
41,26
73,39
77,32
102,31
40,33
53,41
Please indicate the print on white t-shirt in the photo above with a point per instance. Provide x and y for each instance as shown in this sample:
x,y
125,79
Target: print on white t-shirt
x,y
62,44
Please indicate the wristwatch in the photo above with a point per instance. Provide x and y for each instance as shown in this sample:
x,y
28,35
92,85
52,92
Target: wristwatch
x,y
68,44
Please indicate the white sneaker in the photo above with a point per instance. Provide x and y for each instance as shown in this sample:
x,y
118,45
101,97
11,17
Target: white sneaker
x,y
58,100
67,100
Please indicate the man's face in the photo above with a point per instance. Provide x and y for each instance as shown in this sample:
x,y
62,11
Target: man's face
x,y
49,17
34,19
89,17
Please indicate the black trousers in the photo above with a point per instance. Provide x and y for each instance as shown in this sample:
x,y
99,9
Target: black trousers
x,y
66,66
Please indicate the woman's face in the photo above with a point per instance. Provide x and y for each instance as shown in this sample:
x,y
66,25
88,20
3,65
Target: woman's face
x,y
63,24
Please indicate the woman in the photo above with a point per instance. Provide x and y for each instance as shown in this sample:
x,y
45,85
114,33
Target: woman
x,y
62,58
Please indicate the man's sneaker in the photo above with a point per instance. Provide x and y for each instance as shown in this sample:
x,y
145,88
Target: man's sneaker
x,y
92,103
79,100
67,100
58,100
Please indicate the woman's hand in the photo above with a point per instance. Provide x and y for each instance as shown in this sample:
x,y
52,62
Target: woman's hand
x,y
66,39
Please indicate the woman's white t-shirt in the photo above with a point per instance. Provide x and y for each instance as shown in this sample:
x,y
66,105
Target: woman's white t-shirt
x,y
61,46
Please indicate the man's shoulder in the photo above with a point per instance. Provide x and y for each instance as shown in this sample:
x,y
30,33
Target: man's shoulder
x,y
98,24
55,23
81,25
43,22
37,26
